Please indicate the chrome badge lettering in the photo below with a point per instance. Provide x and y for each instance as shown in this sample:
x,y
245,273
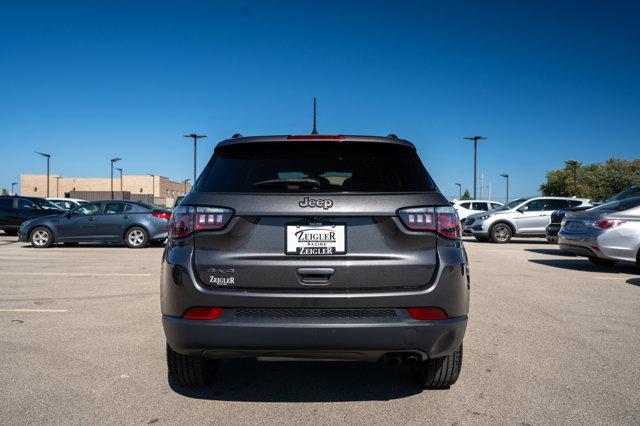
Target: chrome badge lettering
x,y
316,202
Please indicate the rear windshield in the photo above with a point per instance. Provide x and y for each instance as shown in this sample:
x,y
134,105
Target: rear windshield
x,y
620,206
313,166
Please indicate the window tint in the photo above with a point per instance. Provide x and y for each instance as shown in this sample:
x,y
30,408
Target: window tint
x,y
333,167
87,209
534,206
495,206
6,202
557,204
114,208
574,203
25,204
480,206
465,205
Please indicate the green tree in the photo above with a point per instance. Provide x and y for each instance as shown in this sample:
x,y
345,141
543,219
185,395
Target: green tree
x,y
4,191
597,181
466,195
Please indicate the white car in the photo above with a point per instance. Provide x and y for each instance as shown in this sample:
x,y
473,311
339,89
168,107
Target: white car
x,y
67,203
467,207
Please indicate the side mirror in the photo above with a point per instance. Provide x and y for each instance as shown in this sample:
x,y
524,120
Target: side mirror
x,y
67,212
522,209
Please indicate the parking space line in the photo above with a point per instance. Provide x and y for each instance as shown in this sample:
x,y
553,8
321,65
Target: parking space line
x,y
77,274
36,310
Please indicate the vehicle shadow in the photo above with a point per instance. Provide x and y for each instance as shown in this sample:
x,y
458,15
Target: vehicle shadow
x,y
583,264
550,251
514,241
248,380
634,281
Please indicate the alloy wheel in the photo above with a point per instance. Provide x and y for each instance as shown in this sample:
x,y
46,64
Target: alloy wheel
x,y
40,237
136,237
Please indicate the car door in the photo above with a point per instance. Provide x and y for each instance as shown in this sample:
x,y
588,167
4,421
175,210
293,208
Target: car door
x,y
80,224
114,220
532,217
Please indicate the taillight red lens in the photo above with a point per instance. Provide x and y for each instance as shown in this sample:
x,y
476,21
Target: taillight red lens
x,y
426,314
202,313
443,220
187,219
162,215
607,223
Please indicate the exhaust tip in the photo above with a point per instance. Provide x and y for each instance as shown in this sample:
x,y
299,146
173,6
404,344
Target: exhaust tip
x,y
392,359
410,360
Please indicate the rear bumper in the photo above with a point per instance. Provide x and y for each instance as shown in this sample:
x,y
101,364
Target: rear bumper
x,y
231,337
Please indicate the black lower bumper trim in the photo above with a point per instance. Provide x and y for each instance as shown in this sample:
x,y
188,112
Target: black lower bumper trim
x,y
363,339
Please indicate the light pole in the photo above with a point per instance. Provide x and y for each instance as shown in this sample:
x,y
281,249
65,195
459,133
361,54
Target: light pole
x,y
185,186
195,137
12,185
574,166
48,157
113,160
120,170
506,176
459,190
475,140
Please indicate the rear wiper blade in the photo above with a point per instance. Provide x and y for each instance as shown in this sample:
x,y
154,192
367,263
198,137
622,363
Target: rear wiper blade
x,y
308,182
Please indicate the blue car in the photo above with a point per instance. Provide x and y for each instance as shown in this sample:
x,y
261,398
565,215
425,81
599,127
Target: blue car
x,y
134,223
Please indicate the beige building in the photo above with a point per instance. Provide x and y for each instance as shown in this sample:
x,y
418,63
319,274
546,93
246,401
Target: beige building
x,y
164,190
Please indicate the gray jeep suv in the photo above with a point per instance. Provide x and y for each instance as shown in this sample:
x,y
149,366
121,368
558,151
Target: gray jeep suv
x,y
315,247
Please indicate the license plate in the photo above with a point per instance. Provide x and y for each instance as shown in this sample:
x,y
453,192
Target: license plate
x,y
316,240
573,226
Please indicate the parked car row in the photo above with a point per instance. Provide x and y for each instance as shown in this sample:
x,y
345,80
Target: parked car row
x,y
523,217
43,223
605,234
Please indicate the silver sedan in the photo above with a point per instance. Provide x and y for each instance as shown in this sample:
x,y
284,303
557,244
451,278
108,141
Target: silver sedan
x,y
605,234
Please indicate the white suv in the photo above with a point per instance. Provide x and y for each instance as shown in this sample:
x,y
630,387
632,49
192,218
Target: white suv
x,y
524,217
469,207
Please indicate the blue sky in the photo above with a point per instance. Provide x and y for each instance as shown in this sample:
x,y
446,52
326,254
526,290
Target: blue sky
x,y
545,81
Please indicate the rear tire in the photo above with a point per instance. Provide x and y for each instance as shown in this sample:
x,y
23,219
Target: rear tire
x,y
602,262
136,237
482,238
501,233
41,237
439,373
190,370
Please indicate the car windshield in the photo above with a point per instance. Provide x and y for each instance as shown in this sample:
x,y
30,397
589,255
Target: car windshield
x,y
322,167
44,204
619,206
510,205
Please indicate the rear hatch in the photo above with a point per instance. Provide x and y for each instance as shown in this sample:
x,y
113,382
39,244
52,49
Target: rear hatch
x,y
315,215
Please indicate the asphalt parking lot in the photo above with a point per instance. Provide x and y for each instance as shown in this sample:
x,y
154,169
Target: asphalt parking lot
x,y
551,339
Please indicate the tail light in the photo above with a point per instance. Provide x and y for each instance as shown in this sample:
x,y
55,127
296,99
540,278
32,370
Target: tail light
x,y
443,220
426,314
202,313
608,223
162,215
188,219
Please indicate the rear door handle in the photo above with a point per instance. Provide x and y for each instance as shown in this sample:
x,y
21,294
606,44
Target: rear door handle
x,y
315,276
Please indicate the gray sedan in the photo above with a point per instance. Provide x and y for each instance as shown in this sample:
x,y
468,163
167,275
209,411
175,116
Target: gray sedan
x,y
134,223
605,234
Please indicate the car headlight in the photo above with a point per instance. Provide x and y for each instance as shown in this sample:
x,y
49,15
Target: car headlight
x,y
25,223
485,217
